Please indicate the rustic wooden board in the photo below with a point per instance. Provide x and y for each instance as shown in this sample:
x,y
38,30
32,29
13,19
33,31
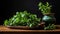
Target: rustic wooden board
x,y
5,29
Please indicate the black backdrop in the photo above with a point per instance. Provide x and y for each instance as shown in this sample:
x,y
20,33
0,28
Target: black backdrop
x,y
9,7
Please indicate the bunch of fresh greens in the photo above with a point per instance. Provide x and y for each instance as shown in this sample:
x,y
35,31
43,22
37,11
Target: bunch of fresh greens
x,y
23,19
50,27
45,8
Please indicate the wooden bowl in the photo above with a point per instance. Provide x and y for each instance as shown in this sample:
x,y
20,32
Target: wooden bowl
x,y
40,26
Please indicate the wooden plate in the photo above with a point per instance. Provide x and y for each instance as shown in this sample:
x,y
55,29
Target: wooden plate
x,y
26,27
18,27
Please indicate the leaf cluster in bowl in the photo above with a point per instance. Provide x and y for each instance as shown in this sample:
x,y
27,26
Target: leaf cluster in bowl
x,y
23,19
45,8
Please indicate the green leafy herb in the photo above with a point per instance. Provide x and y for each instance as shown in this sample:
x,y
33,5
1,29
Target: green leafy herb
x,y
50,27
23,19
45,8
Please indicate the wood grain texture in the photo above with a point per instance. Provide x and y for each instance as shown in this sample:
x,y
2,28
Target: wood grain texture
x,y
5,29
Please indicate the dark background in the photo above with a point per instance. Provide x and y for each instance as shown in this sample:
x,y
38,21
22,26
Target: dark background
x,y
9,7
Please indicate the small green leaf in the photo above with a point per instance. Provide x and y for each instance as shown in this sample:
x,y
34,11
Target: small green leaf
x,y
6,22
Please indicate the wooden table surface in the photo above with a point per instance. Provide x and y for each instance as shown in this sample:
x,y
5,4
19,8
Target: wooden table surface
x,y
5,29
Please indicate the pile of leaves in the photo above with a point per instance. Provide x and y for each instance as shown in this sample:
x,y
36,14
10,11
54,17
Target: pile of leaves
x,y
50,27
23,19
45,8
